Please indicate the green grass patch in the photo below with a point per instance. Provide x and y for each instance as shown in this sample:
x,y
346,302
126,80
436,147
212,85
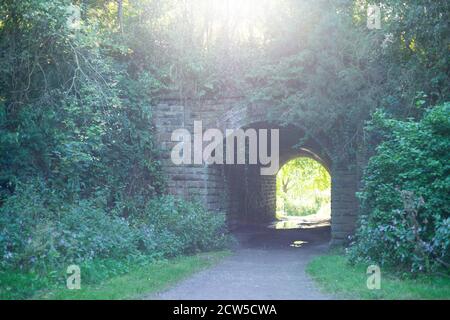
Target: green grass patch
x,y
123,281
335,275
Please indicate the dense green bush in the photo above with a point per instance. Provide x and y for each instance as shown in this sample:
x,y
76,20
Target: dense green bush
x,y
405,209
183,226
294,209
38,232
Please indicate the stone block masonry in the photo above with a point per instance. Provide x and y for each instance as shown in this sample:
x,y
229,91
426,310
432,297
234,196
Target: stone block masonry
x,y
239,190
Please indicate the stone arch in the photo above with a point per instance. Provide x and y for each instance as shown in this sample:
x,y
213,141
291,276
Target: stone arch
x,y
233,188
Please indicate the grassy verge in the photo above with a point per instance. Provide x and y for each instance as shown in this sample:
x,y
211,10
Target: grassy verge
x,y
137,281
336,276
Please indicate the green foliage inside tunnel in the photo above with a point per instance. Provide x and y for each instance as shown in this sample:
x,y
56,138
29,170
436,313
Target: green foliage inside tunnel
x,y
303,188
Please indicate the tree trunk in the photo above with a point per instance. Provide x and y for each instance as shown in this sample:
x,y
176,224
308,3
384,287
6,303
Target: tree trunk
x,y
120,14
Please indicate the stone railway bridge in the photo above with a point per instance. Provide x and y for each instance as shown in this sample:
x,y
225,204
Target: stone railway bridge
x,y
239,190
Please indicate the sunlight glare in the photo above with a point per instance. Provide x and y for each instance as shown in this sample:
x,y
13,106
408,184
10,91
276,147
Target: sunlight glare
x,y
238,19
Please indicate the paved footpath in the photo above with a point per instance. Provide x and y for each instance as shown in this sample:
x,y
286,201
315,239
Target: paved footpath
x,y
267,264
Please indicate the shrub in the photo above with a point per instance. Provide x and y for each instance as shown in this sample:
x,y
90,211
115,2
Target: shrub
x,y
184,227
41,231
299,208
405,207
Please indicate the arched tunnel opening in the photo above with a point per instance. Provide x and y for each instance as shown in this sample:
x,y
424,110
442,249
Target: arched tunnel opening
x,y
255,204
303,194
247,197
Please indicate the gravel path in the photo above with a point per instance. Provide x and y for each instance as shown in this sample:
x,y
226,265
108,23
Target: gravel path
x,y
267,264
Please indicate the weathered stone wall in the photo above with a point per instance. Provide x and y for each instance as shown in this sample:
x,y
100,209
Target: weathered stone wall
x,y
344,205
240,190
